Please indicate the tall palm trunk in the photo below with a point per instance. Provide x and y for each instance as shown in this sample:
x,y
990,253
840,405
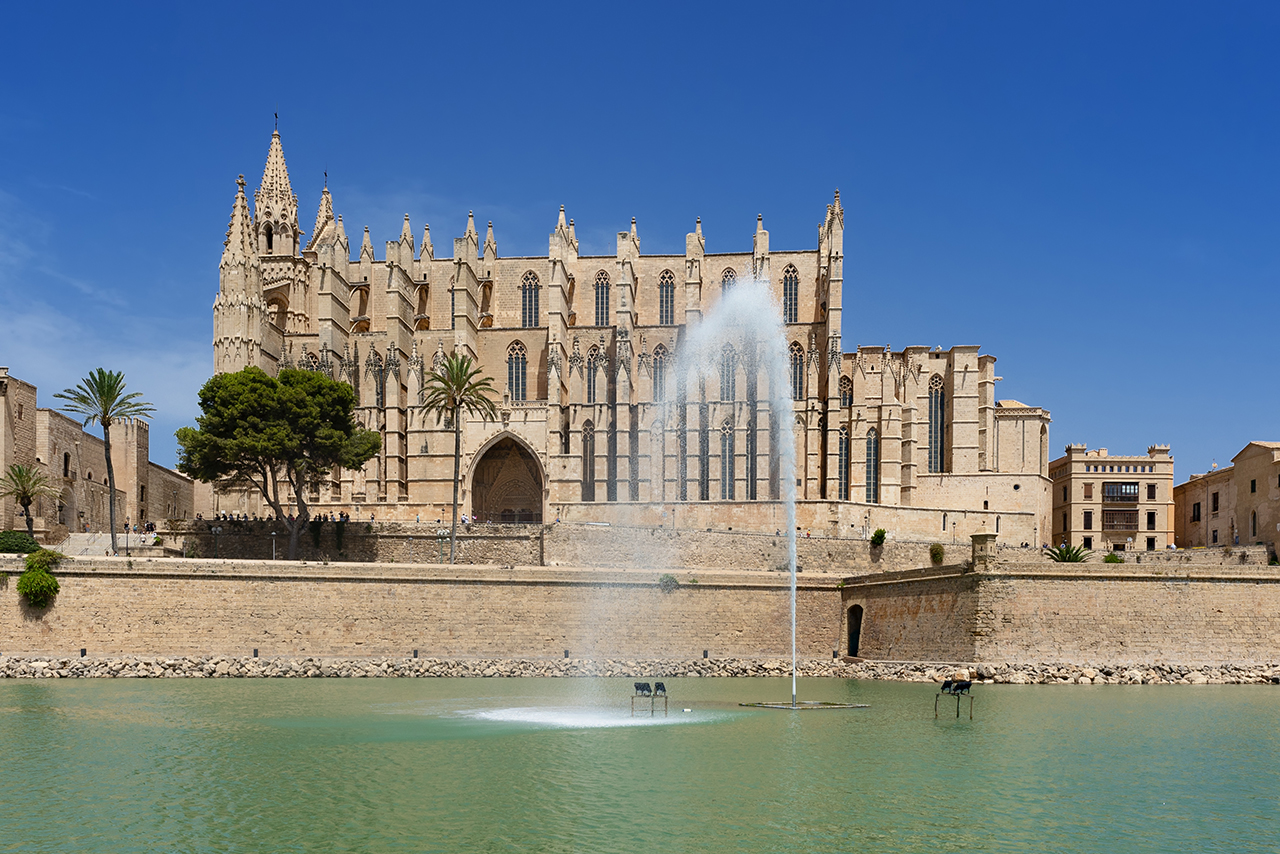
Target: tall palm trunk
x,y
31,525
111,486
457,465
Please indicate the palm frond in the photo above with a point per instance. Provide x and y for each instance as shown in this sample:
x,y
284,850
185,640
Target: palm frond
x,y
100,398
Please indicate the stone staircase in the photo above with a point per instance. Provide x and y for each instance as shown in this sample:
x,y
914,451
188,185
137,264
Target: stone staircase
x,y
88,544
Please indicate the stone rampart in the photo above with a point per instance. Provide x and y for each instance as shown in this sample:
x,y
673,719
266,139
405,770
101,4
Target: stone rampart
x,y
564,544
1112,614
166,606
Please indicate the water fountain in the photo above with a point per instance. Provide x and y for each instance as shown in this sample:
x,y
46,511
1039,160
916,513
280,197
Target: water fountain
x,y
747,316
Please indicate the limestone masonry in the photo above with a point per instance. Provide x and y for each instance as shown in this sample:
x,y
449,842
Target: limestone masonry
x,y
594,423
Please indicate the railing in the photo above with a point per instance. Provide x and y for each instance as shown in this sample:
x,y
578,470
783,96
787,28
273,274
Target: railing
x,y
1120,493
1119,520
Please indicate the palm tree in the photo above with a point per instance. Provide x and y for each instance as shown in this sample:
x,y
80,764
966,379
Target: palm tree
x,y
25,484
100,399
1068,554
451,389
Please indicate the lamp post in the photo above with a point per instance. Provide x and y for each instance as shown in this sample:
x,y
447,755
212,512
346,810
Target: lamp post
x,y
273,545
126,536
441,535
215,530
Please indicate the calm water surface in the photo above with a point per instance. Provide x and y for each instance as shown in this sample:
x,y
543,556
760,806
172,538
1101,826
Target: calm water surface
x,y
516,765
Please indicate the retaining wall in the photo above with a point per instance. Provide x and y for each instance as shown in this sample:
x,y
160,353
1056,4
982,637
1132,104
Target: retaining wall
x,y
113,606
1024,613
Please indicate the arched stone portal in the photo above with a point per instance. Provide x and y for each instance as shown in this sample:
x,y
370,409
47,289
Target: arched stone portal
x,y
507,484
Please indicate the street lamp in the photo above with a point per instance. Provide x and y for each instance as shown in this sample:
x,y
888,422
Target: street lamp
x,y
126,536
216,530
441,535
273,545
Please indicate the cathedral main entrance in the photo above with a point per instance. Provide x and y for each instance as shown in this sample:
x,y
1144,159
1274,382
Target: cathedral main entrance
x,y
507,484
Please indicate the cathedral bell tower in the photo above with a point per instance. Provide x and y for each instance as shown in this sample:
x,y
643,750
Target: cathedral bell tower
x,y
275,207
239,309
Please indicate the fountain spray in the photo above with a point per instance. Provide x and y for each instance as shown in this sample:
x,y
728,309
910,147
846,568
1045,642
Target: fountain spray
x,y
748,316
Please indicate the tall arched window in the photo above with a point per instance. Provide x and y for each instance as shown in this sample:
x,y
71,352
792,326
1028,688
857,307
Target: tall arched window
x,y
937,423
529,316
593,363
728,368
846,392
270,238
602,298
66,465
588,461
797,371
666,299
517,363
790,294
842,475
726,461
704,455
873,466
659,373
728,279
1253,524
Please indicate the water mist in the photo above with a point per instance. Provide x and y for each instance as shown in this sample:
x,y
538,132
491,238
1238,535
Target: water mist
x,y
748,318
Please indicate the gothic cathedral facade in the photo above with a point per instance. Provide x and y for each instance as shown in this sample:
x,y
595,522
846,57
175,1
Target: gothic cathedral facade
x,y
593,426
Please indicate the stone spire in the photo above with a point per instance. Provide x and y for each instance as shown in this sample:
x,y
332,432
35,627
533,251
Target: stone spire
x,y
239,312
428,251
406,233
471,225
324,216
239,247
275,207
760,250
366,245
490,245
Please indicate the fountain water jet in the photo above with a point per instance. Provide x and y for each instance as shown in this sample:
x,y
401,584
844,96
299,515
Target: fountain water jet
x,y
747,315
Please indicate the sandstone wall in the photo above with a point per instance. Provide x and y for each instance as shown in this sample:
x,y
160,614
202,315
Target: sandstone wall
x,y
565,544
1188,615
113,606
1025,613
914,616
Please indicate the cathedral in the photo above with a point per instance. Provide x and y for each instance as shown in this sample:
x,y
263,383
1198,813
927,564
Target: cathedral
x,y
593,425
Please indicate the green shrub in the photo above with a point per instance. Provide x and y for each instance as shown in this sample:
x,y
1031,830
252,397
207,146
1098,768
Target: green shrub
x,y
37,584
937,553
668,582
43,559
1112,557
877,539
17,542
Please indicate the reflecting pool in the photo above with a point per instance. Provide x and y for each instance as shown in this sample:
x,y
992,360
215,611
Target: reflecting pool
x,y
559,765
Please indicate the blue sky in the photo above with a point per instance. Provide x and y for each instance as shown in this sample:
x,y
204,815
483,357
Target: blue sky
x,y
1087,190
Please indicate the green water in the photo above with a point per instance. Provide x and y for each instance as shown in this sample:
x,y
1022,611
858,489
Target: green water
x,y
530,765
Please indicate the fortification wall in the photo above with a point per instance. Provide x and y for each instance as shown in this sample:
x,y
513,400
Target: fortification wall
x,y
913,616
1188,615
161,606
565,544
1094,614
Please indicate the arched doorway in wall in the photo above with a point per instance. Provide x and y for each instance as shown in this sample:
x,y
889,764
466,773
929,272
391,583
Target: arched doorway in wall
x,y
507,484
855,629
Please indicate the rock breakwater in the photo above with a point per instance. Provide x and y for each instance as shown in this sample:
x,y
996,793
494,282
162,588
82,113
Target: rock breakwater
x,y
213,667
